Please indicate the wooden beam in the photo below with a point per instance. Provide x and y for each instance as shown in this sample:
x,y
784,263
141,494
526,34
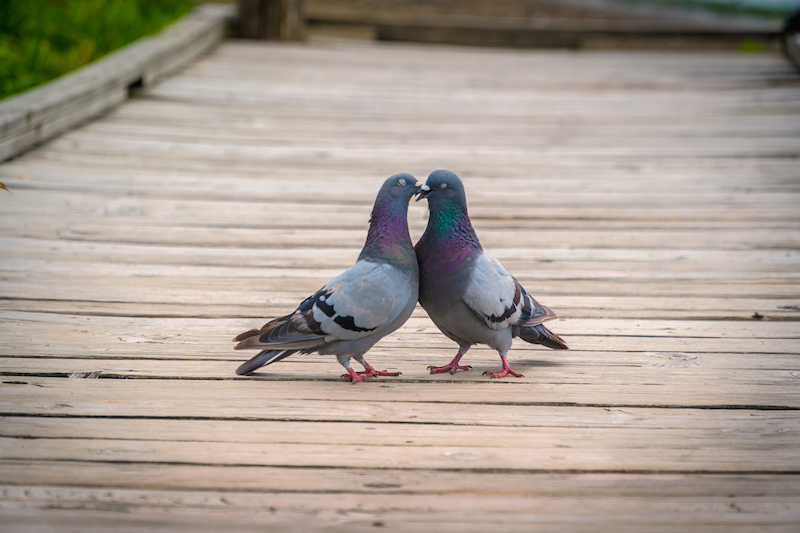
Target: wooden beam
x,y
271,20
554,31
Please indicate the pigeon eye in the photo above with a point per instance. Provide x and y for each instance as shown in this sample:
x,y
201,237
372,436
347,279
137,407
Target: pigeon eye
x,y
401,182
443,185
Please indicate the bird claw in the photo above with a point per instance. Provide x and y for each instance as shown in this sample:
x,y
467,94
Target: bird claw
x,y
369,374
373,372
450,367
502,373
505,371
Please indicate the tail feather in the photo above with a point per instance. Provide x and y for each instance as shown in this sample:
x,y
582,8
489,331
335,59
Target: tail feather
x,y
263,358
246,335
300,344
272,324
539,334
279,334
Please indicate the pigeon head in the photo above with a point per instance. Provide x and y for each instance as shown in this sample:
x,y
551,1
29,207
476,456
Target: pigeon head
x,y
443,187
399,188
448,224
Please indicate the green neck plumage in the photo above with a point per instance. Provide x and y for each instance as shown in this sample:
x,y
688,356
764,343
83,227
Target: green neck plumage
x,y
449,223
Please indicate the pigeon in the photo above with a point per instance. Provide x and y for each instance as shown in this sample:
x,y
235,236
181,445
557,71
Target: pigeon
x,y
358,307
467,292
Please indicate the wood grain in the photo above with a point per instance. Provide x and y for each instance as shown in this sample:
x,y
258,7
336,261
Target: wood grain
x,y
649,199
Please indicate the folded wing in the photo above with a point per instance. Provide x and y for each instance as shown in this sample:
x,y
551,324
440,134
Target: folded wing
x,y
498,298
351,306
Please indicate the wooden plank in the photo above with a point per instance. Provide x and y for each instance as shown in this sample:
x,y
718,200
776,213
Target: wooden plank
x,y
299,264
78,195
204,334
176,304
338,148
651,367
262,279
77,192
395,482
268,255
265,297
539,426
419,324
547,456
558,506
169,119
380,399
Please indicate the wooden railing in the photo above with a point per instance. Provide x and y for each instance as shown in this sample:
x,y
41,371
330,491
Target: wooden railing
x,y
42,113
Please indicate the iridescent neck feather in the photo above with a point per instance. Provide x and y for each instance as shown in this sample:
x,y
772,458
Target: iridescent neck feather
x,y
388,239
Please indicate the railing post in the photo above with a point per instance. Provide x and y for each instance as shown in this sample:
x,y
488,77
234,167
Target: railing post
x,y
271,19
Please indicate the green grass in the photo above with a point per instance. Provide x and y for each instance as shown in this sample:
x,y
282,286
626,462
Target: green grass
x,y
43,39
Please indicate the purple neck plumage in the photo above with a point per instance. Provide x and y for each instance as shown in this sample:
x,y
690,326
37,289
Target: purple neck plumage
x,y
388,239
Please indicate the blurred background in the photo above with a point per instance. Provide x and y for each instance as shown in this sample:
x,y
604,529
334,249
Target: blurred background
x,y
43,39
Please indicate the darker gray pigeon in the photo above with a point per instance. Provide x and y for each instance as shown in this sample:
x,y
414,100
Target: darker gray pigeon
x,y
466,292
359,306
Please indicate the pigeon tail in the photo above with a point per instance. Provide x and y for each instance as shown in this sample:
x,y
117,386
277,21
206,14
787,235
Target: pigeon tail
x,y
279,334
247,334
539,334
263,358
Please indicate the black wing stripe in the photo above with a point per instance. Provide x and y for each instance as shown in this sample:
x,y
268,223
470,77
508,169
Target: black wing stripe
x,y
324,306
319,300
347,322
510,310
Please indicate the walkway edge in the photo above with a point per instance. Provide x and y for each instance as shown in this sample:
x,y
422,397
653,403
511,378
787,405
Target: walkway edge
x,y
42,113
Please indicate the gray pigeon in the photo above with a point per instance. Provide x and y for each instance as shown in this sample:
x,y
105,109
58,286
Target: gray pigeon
x,y
359,306
466,292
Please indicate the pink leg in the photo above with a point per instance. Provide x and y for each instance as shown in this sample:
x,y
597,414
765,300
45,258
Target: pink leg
x,y
352,375
503,373
451,367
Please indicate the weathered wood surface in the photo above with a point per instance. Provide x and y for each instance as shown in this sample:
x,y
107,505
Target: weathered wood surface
x,y
650,199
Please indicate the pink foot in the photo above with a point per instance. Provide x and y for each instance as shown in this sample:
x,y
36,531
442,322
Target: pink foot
x,y
370,371
373,372
451,367
502,373
353,376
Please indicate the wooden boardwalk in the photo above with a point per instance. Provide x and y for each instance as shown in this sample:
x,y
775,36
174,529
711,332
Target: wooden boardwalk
x,y
652,200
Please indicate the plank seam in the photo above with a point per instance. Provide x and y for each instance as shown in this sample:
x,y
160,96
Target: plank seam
x,y
529,471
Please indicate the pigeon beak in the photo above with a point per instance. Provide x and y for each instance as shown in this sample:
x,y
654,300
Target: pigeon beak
x,y
423,191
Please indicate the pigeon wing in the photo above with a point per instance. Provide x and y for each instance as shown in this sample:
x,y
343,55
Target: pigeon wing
x,y
498,298
352,305
362,299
